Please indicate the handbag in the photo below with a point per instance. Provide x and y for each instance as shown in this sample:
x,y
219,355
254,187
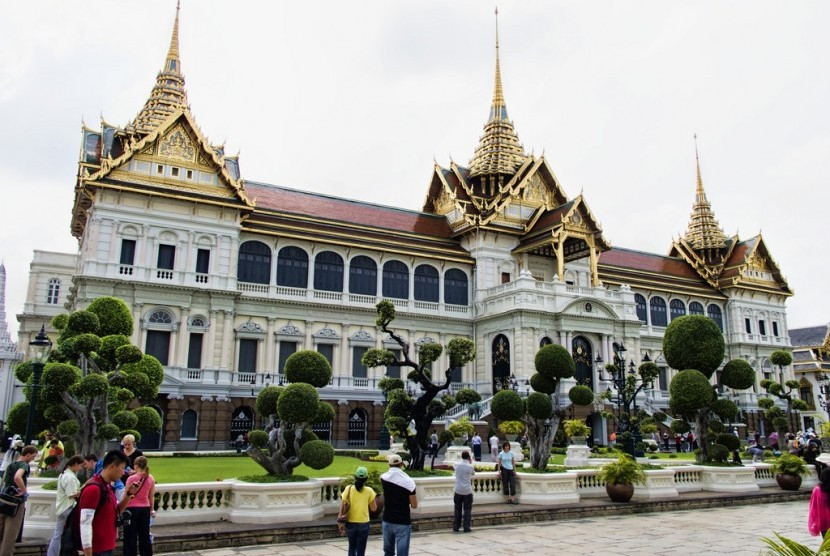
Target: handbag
x,y
343,512
9,504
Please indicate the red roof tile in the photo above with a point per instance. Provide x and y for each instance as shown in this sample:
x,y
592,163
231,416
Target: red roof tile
x,y
637,260
315,205
739,253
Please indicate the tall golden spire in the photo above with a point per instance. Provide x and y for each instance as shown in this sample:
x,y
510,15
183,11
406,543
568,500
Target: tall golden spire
x,y
704,231
499,152
169,93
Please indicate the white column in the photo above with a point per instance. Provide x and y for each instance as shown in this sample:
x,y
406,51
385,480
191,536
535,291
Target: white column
x,y
227,336
309,341
270,363
310,285
182,342
209,358
136,336
568,340
344,352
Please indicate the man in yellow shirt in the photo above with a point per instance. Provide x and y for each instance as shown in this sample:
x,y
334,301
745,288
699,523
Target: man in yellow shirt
x,y
44,453
354,523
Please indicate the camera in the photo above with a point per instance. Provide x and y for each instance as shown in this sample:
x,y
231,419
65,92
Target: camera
x,y
124,518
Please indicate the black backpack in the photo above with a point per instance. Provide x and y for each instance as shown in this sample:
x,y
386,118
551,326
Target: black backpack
x,y
71,534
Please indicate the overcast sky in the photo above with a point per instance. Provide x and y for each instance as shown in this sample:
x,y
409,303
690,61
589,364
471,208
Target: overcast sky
x,y
356,98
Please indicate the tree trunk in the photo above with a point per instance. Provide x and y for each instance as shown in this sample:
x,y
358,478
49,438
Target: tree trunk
x,y
274,460
702,433
541,441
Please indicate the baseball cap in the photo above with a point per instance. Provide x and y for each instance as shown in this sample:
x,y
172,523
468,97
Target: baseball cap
x,y
394,459
361,473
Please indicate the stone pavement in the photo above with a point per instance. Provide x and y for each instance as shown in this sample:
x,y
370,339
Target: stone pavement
x,y
729,530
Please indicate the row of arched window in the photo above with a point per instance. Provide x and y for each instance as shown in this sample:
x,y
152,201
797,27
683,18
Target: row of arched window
x,y
254,266
655,310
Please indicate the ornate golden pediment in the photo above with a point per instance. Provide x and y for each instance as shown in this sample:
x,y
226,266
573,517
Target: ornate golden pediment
x,y
444,203
536,191
758,262
178,145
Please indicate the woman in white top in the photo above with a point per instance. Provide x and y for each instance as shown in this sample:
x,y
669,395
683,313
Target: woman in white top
x,y
68,489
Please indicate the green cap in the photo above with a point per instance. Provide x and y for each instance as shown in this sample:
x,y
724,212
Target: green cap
x,y
361,473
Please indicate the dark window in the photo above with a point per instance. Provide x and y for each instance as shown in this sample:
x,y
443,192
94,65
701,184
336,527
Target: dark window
x,y
158,345
327,351
456,374
54,291
254,263
762,328
748,326
663,379
426,283
286,350
328,272
505,277
202,261
394,371
774,328
358,368
167,257
189,421
641,307
545,342
716,315
292,268
363,276
247,355
676,308
695,308
395,280
658,311
128,251
194,353
455,287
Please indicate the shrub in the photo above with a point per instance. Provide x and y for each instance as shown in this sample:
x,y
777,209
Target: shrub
x,y
114,316
725,409
125,419
272,478
576,427
511,427
738,374
780,358
466,396
389,383
507,405
718,453
539,405
266,401
458,428
555,362
372,482
789,464
107,431
258,439
680,426
298,403
543,384
317,454
716,426
325,413
82,322
59,322
690,390
624,471
308,366
87,343
731,441
147,419
694,342
127,354
581,395
672,456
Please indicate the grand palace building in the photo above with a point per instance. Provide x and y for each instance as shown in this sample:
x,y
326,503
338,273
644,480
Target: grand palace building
x,y
227,277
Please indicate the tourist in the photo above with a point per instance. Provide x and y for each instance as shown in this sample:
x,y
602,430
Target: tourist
x,y
129,449
477,446
818,518
354,521
87,470
757,452
494,447
11,454
68,489
666,441
137,533
507,473
55,451
46,447
15,480
612,438
399,497
434,443
811,452
692,441
773,440
677,441
99,508
463,496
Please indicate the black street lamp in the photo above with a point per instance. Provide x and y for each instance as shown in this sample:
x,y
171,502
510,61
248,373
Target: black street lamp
x,y
626,399
39,349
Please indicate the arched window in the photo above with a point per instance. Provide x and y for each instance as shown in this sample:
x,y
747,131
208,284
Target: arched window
x,y
716,315
677,308
54,291
426,283
395,280
641,307
190,422
160,316
658,311
358,420
328,272
292,268
695,308
363,276
254,263
545,342
455,287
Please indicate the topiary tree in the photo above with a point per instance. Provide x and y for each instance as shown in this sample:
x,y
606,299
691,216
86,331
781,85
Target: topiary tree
x,y
420,409
95,378
287,440
694,345
781,419
542,411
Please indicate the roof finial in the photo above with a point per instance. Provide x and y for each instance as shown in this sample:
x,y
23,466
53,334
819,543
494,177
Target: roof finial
x,y
701,195
704,231
173,52
498,93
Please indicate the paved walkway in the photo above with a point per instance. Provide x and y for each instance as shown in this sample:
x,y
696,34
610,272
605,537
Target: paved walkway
x,y
731,530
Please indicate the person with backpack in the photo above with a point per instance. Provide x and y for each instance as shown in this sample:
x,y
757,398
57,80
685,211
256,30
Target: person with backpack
x,y
15,481
68,488
353,518
137,532
93,521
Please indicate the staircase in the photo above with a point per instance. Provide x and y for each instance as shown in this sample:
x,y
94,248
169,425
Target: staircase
x,y
460,411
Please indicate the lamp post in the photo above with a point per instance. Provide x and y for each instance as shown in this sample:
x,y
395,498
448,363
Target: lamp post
x,y
626,398
39,349
383,442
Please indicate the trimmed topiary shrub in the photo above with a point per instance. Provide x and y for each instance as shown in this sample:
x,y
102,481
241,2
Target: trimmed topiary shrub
x,y
308,366
539,405
82,322
694,342
317,454
114,316
581,395
467,396
555,362
679,426
725,409
507,405
738,374
298,403
731,441
690,391
719,453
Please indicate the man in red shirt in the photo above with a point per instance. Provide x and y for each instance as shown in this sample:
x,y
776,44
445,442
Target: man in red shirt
x,y
98,529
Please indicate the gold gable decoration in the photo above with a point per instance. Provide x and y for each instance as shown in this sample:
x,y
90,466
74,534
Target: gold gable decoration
x,y
536,192
444,203
758,263
177,145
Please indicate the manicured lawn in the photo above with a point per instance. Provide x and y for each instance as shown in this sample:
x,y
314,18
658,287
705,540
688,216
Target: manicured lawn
x,y
190,470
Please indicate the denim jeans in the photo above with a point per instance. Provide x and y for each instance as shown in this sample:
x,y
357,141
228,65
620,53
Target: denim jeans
x,y
463,502
396,539
508,480
358,535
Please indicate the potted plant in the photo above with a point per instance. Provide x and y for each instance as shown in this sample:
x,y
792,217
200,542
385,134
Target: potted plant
x,y
788,470
577,431
459,428
620,477
511,429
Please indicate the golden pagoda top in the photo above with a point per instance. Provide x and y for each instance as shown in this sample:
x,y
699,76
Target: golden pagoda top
x,y
499,150
704,231
168,94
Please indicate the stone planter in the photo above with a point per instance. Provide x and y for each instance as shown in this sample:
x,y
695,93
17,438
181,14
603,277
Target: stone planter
x,y
619,493
579,440
511,437
457,441
543,489
659,484
577,455
728,479
275,502
453,453
788,482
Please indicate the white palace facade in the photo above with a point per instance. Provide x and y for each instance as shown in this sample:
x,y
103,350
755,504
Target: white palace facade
x,y
226,277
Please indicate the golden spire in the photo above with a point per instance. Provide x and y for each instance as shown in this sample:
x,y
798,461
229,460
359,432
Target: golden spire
x,y
499,151
704,231
168,94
